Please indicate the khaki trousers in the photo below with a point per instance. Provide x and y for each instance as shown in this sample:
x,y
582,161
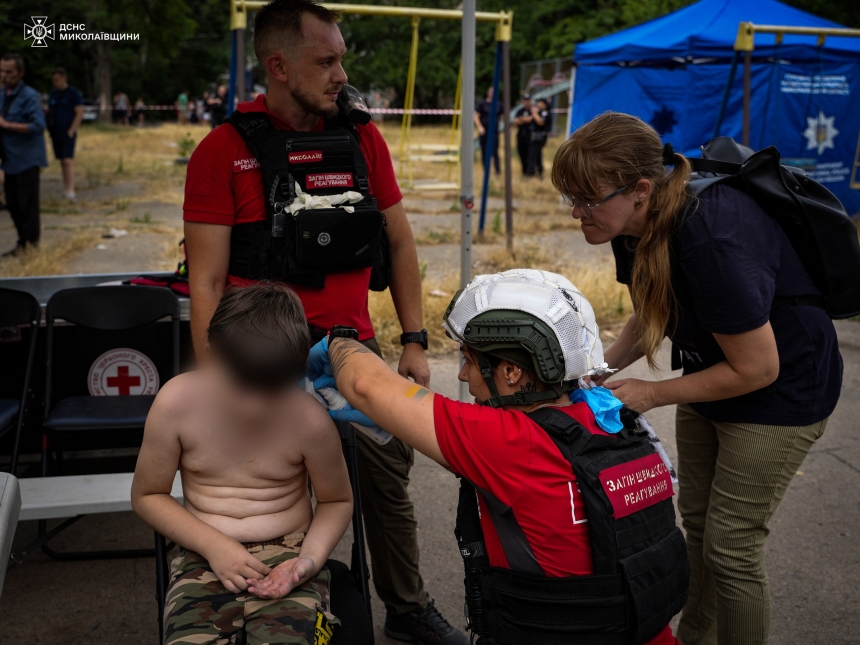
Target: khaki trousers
x,y
389,520
732,478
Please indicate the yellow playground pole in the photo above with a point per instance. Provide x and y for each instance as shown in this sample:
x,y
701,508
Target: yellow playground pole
x,y
409,103
455,120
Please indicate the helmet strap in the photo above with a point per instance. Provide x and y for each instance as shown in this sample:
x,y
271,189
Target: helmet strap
x,y
496,400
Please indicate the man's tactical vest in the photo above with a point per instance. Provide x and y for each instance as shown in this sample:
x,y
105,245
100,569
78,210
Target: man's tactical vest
x,y
641,572
302,249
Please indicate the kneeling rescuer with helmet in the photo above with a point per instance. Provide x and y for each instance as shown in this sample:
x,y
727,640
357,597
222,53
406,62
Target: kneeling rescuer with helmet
x,y
567,532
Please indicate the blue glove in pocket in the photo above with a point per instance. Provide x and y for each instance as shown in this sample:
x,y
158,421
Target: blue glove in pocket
x,y
603,404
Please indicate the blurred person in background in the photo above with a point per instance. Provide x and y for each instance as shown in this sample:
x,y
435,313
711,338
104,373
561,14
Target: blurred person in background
x,y
65,115
524,121
22,148
204,109
482,123
218,106
140,111
120,107
541,127
181,106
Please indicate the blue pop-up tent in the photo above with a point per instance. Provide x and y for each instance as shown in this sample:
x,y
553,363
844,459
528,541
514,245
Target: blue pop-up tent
x,y
672,72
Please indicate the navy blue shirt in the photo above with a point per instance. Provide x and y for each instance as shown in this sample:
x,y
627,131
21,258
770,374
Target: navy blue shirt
x,y
62,104
732,261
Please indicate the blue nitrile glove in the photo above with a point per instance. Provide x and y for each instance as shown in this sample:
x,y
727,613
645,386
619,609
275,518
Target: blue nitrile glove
x,y
318,363
603,404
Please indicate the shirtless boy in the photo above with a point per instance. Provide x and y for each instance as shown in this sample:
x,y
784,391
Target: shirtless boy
x,y
245,439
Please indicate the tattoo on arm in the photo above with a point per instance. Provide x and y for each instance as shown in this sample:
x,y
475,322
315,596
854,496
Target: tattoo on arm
x,y
416,392
341,351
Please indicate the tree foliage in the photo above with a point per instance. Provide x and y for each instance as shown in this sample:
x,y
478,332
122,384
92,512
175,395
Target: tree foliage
x,y
185,44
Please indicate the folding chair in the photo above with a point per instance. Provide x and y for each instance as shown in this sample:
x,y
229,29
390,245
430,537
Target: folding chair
x,y
10,508
350,588
94,422
18,309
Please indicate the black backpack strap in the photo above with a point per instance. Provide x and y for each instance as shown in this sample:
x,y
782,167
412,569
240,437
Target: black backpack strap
x,y
470,540
572,434
715,166
254,128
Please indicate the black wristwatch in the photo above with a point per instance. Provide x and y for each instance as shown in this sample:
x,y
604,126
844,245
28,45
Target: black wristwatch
x,y
419,337
341,331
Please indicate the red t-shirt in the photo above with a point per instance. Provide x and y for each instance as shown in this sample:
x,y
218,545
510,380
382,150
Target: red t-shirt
x,y
509,455
224,186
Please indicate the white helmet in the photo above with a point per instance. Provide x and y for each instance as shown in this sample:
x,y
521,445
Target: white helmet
x,y
559,330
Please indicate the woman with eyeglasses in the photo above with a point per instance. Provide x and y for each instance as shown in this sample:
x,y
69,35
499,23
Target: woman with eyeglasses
x,y
761,376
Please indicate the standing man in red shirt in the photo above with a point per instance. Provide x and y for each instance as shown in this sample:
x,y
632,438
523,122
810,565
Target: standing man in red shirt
x,y
231,240
575,542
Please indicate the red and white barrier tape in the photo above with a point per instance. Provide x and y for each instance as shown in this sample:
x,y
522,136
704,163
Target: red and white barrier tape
x,y
420,112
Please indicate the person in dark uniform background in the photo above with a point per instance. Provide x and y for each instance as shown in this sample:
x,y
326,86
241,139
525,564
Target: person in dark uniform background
x,y
541,127
482,122
523,119
22,132
65,115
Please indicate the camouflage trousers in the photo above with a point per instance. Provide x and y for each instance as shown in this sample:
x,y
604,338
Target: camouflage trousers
x,y
200,611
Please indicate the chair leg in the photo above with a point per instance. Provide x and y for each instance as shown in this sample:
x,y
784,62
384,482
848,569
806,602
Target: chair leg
x,y
161,580
45,442
358,566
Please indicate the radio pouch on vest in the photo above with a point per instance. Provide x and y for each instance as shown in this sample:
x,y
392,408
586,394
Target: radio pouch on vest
x,y
303,248
640,568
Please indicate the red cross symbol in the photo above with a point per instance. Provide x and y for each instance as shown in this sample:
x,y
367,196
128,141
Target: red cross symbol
x,y
122,381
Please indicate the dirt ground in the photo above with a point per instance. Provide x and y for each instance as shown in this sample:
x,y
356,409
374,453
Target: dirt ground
x,y
812,554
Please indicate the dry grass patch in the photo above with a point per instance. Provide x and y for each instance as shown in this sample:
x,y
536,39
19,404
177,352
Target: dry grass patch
x,y
106,155
50,258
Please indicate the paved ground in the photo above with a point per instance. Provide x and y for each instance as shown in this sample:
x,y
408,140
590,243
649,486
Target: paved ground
x,y
812,554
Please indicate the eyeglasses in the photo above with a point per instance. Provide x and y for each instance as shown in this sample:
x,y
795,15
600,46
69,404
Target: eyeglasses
x,y
583,206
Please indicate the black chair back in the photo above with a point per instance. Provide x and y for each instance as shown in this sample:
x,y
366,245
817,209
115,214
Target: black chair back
x,y
17,309
110,308
113,308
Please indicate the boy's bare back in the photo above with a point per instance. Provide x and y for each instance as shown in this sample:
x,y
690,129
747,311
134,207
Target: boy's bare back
x,y
250,483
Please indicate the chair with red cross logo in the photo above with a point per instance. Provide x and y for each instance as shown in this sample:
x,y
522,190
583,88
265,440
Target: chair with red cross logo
x,y
122,383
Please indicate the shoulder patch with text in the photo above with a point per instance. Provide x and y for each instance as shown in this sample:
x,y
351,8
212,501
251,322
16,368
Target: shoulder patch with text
x,y
243,165
636,485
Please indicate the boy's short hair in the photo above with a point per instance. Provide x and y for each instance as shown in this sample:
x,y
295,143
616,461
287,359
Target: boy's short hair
x,y
278,25
61,71
261,334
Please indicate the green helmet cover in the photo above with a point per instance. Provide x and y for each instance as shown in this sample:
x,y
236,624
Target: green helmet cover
x,y
500,332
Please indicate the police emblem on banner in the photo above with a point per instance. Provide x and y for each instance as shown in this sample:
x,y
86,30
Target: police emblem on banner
x,y
122,372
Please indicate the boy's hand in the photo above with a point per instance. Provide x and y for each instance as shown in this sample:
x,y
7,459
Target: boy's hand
x,y
234,566
283,578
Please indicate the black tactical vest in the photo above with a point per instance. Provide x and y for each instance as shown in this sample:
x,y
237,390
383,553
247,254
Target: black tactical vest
x,y
641,571
304,248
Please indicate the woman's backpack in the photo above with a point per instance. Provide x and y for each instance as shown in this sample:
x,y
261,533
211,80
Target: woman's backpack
x,y
814,220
